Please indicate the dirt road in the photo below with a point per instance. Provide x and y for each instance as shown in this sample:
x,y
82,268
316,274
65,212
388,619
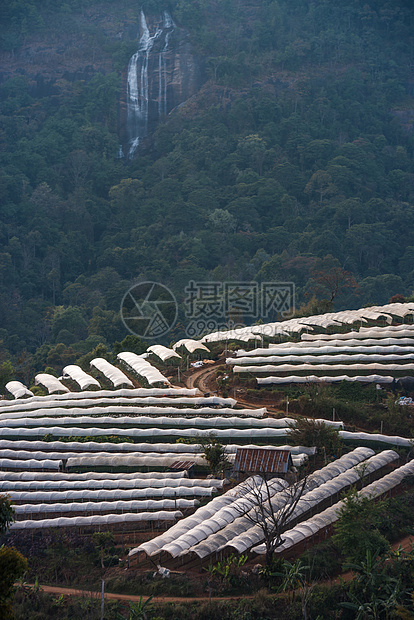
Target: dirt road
x,y
131,597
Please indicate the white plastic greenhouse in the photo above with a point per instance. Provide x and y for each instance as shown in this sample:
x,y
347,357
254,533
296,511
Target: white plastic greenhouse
x,y
131,483
162,352
96,507
268,368
60,431
90,475
196,528
295,349
30,463
99,403
336,379
30,497
51,383
191,345
325,519
17,389
111,372
143,368
97,520
80,377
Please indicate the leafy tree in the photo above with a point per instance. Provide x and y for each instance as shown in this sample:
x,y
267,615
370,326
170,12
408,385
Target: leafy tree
x,y
6,373
103,541
309,432
12,566
131,343
214,453
356,531
6,513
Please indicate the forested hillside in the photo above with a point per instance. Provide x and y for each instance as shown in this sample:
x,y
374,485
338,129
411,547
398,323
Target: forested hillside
x,y
294,158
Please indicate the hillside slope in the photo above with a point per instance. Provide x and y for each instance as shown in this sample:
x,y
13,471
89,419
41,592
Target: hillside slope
x,y
294,159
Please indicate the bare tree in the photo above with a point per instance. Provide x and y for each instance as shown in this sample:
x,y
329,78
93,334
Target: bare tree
x,y
272,503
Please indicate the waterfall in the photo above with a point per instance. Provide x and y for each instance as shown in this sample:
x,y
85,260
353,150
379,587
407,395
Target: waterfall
x,y
140,87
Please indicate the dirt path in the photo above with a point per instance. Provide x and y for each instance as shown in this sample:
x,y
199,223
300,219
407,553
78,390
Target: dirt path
x,y
132,597
200,378
406,543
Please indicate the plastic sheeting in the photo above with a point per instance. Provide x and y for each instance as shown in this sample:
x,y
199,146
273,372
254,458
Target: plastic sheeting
x,y
111,372
51,383
155,457
29,497
94,446
30,464
160,422
131,483
132,411
334,379
393,440
205,512
324,519
17,389
191,345
192,531
80,377
324,367
322,359
164,460
142,368
90,475
164,353
331,319
363,335
97,520
254,535
95,507
298,349
125,392
59,431
124,405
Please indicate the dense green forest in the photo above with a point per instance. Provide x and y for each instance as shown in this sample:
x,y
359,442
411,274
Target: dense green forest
x,y
295,158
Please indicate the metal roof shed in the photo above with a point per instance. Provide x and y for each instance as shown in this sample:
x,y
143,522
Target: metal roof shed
x,y
263,461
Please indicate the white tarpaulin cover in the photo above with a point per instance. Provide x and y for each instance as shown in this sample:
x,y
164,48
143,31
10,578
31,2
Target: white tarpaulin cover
x,y
51,383
17,389
90,475
324,519
191,531
299,325
164,353
324,367
97,520
111,372
190,345
122,404
113,394
29,497
314,379
95,507
130,483
298,349
80,377
142,368
59,431
30,463
322,359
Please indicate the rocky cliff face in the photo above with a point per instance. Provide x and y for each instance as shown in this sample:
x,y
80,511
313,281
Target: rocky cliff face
x,y
161,75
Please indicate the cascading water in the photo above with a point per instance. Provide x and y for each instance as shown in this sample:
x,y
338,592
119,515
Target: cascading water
x,y
138,86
